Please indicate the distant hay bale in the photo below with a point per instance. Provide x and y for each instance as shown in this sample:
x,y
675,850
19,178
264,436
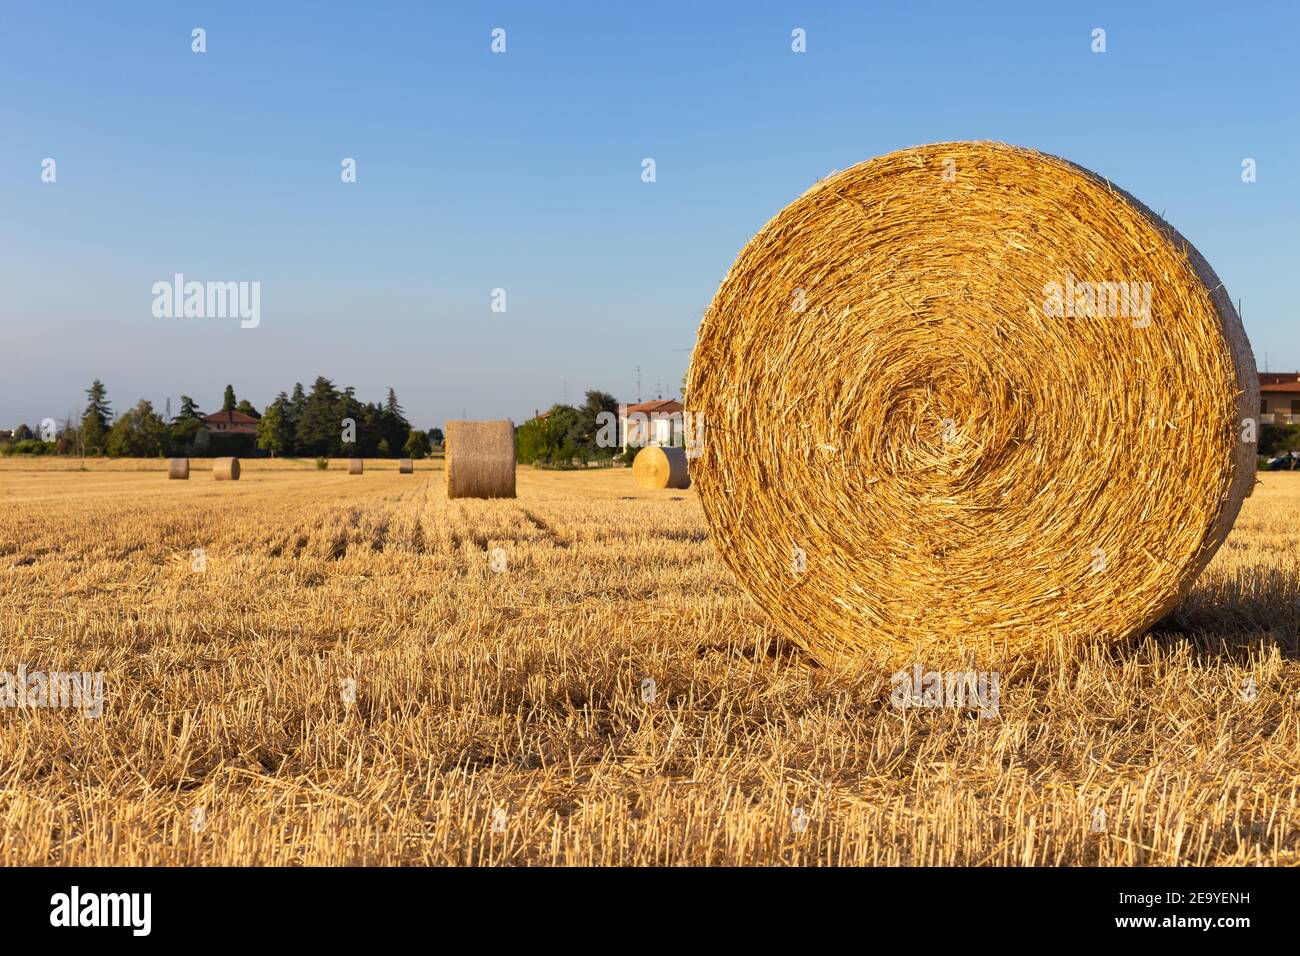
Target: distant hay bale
x,y
225,469
657,467
178,469
970,395
405,466
480,459
355,466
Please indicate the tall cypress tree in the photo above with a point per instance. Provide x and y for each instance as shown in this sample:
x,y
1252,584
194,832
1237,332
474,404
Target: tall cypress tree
x,y
318,427
94,422
394,428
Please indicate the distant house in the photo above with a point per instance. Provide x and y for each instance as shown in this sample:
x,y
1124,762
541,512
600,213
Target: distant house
x,y
230,423
1279,398
657,422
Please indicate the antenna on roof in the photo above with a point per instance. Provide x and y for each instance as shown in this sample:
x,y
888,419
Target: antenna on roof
x,y
638,384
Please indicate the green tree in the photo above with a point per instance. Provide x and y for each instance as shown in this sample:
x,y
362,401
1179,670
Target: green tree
x,y
189,411
138,433
297,402
363,438
318,426
417,445
228,403
95,420
549,439
393,427
185,427
273,433
530,441
247,408
594,417
289,411
370,431
1275,439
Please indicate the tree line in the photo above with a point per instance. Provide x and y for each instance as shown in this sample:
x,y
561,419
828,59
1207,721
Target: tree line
x,y
327,421
565,433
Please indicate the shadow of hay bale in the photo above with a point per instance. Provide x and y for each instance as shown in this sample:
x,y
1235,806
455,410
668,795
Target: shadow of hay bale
x,y
1227,619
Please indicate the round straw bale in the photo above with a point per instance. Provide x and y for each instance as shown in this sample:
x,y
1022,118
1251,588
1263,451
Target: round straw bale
x,y
355,466
480,459
656,467
178,468
934,418
405,466
225,469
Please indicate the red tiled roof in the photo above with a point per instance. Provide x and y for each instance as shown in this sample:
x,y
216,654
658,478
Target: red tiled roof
x,y
230,418
1281,387
663,405
1278,378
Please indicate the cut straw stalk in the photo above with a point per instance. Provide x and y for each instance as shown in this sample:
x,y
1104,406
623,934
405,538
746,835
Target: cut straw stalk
x,y
909,446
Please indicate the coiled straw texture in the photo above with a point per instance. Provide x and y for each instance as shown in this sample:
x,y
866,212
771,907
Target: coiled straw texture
x,y
934,418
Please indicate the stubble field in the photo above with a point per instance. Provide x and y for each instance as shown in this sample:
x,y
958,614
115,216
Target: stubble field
x,y
358,676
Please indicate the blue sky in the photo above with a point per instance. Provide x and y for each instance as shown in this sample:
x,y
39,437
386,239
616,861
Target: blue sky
x,y
523,171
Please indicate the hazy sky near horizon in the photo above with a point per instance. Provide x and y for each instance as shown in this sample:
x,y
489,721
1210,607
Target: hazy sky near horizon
x,y
523,170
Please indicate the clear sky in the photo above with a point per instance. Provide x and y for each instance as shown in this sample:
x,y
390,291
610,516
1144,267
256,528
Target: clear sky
x,y
522,171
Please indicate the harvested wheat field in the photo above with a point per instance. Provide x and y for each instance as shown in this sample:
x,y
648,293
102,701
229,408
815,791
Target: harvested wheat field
x,y
369,673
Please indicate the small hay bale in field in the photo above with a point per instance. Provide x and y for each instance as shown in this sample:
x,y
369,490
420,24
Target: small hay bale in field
x,y
480,459
405,466
656,467
178,469
969,395
225,469
355,466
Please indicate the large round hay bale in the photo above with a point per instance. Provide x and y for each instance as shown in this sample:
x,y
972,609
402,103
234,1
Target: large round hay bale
x,y
178,469
225,469
355,466
480,459
656,467
934,418
405,466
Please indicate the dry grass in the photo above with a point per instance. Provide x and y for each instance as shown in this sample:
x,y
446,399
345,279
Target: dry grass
x,y
521,691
